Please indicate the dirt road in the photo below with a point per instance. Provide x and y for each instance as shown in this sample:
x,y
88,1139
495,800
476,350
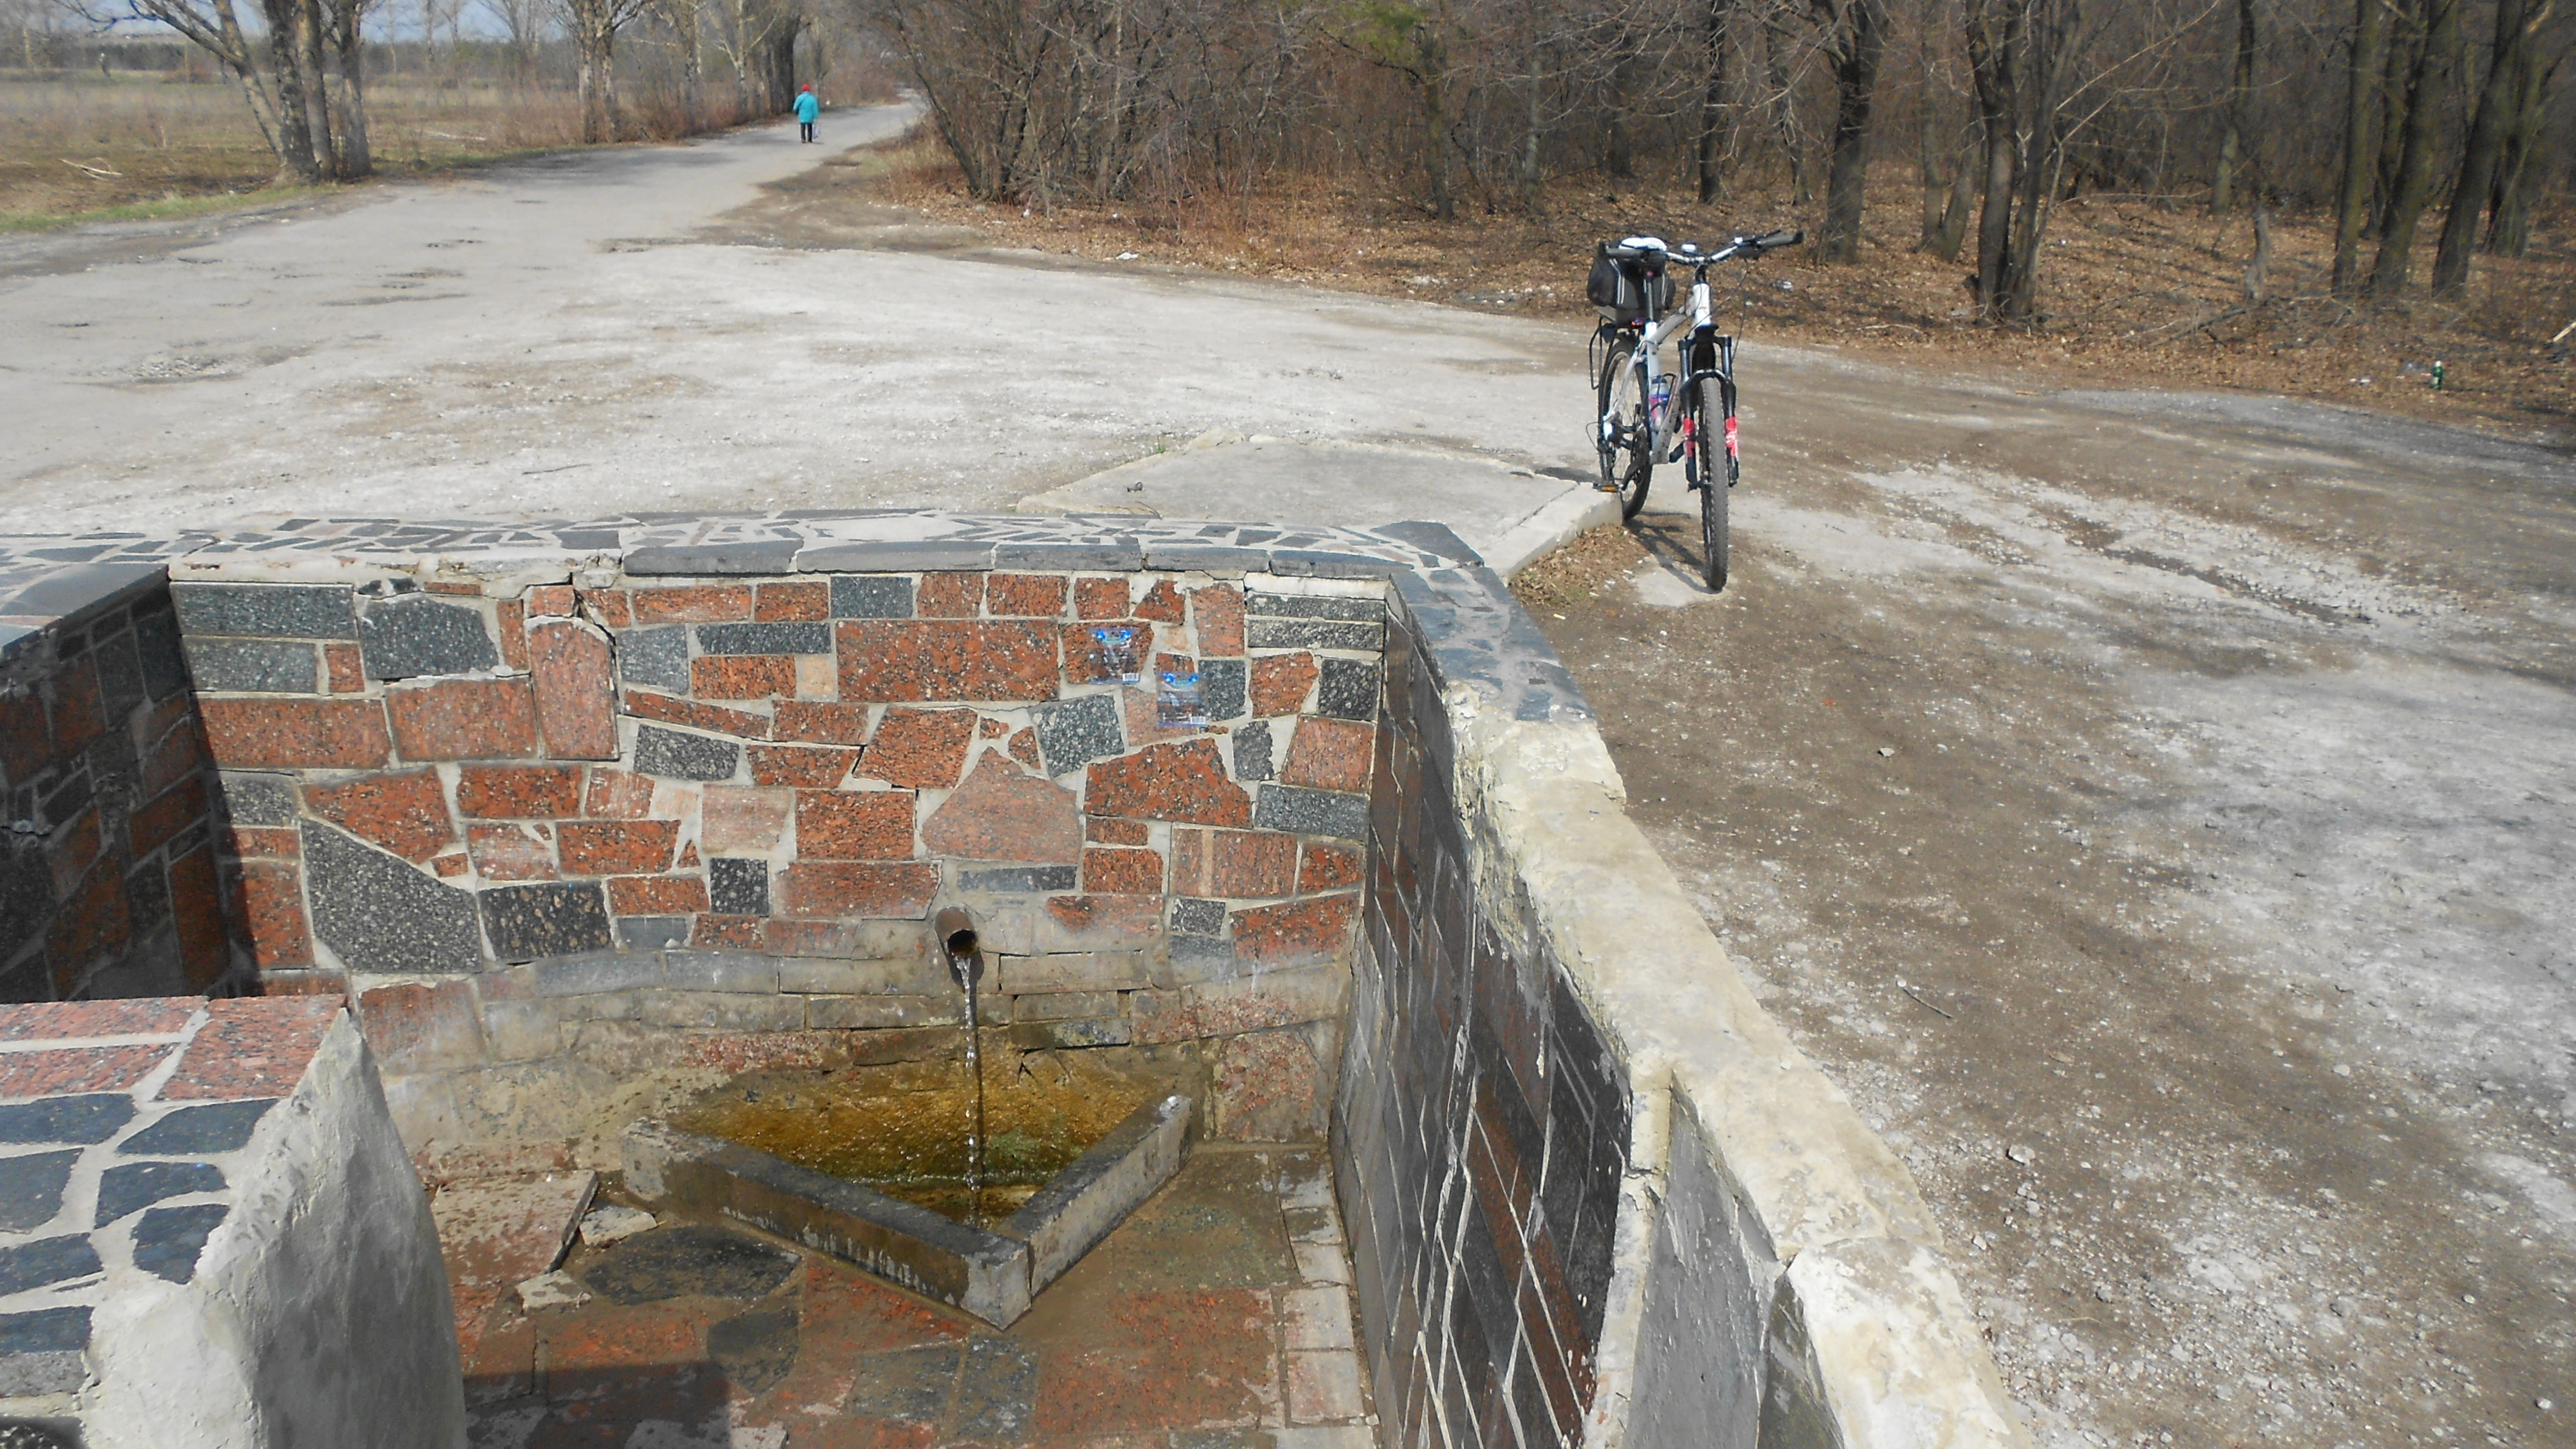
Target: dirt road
x,y
2155,810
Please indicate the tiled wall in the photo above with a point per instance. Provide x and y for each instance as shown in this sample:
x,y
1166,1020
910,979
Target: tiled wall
x,y
730,804
107,857
1483,1124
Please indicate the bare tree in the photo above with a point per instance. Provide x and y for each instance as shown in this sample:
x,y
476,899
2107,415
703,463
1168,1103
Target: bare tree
x,y
1718,43
2362,110
2482,154
2412,186
594,26
1855,32
2240,103
524,27
304,85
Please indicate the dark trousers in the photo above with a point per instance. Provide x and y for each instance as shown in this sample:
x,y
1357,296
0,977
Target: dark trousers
x,y
805,130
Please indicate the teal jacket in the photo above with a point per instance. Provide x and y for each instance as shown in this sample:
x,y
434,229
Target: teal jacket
x,y
807,107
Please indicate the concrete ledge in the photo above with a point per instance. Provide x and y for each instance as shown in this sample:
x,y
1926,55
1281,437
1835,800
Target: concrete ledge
x,y
1100,1189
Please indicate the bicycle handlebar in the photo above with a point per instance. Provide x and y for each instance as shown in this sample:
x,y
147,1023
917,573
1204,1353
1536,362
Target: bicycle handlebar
x,y
1688,254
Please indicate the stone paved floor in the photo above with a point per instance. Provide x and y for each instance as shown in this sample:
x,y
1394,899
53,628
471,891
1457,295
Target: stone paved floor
x,y
1218,1315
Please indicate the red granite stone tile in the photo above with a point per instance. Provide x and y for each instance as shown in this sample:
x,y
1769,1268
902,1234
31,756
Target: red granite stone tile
x,y
923,748
1185,782
1303,931
264,842
76,1020
512,852
688,857
822,724
1253,863
1106,922
300,983
1161,1361
1330,754
949,596
792,602
179,753
934,659
618,795
465,719
453,588
405,813
550,601
76,1070
1001,814
988,728
512,616
576,690
519,792
1327,867
296,734
691,603
75,846
178,808
90,922
891,891
1100,598
1142,711
26,741
815,768
1162,602
80,715
727,933
657,895
436,1021
1122,872
611,607
742,676
449,865
254,1047
645,705
268,910
1281,683
1024,748
601,1335
1025,595
1192,853
1086,659
616,847
197,907
734,820
1116,832
344,669
854,825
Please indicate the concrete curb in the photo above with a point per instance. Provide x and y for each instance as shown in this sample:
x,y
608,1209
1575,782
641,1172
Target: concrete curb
x,y
1551,528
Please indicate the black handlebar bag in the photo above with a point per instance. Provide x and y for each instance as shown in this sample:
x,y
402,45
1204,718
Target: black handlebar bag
x,y
1627,289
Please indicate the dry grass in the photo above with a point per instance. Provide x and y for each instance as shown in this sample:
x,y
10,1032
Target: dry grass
x,y
95,148
2136,291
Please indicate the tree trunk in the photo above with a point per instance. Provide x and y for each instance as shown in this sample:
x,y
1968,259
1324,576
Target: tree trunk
x,y
1712,101
1784,107
1995,29
2482,151
2510,235
2388,275
2398,82
1929,154
1533,129
1855,89
2240,97
2258,268
595,45
348,36
2361,113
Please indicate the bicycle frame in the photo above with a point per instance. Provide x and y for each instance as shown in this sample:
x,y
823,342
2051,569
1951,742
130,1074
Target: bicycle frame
x,y
1702,339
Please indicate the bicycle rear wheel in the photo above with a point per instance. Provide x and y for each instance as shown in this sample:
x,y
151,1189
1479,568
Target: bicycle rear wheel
x,y
1627,428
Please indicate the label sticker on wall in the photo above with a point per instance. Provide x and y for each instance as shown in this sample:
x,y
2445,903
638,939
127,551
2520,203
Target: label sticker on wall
x,y
1118,654
1176,703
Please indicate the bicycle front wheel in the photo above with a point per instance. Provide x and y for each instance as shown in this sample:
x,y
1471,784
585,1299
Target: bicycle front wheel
x,y
1716,472
1627,425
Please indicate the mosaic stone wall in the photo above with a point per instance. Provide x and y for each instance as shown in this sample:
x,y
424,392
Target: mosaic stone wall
x,y
107,855
1482,1129
729,804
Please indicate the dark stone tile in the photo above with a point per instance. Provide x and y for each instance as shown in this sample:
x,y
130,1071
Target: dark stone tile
x,y
651,933
262,800
551,918
1304,606
907,1386
120,675
1020,878
1298,811
1311,634
91,1118
1432,538
69,799
374,908
934,555
810,638
997,1394
678,756
414,635
42,1353
655,657
267,611
1349,689
1121,556
26,894
1198,918
156,643
66,591
31,1188
747,556
871,596
122,1190
1182,557
198,1131
147,895
168,1240
755,1350
1074,732
738,887
1221,689
686,1262
49,1260
254,666
1253,757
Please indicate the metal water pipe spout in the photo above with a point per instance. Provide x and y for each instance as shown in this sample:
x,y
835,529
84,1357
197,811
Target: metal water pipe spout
x,y
965,951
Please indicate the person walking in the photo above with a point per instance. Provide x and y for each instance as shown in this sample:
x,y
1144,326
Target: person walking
x,y
808,106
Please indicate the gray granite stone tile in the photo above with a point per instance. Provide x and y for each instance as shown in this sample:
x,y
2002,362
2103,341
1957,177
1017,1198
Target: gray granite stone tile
x,y
1349,688
415,635
803,638
1299,811
1221,689
738,887
216,1127
262,800
1314,606
657,658
1074,732
255,666
45,1262
869,596
137,1185
269,611
1253,751
169,1240
31,1188
156,641
1311,634
1017,878
91,1117
677,756
380,914
550,918
747,556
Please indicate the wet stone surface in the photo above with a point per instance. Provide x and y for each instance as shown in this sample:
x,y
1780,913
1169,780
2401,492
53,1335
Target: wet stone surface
x,y
1214,1316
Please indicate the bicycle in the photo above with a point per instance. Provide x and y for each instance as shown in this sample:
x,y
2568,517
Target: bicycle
x,y
1646,413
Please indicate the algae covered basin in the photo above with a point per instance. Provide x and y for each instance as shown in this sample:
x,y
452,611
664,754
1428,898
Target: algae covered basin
x,y
903,1129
